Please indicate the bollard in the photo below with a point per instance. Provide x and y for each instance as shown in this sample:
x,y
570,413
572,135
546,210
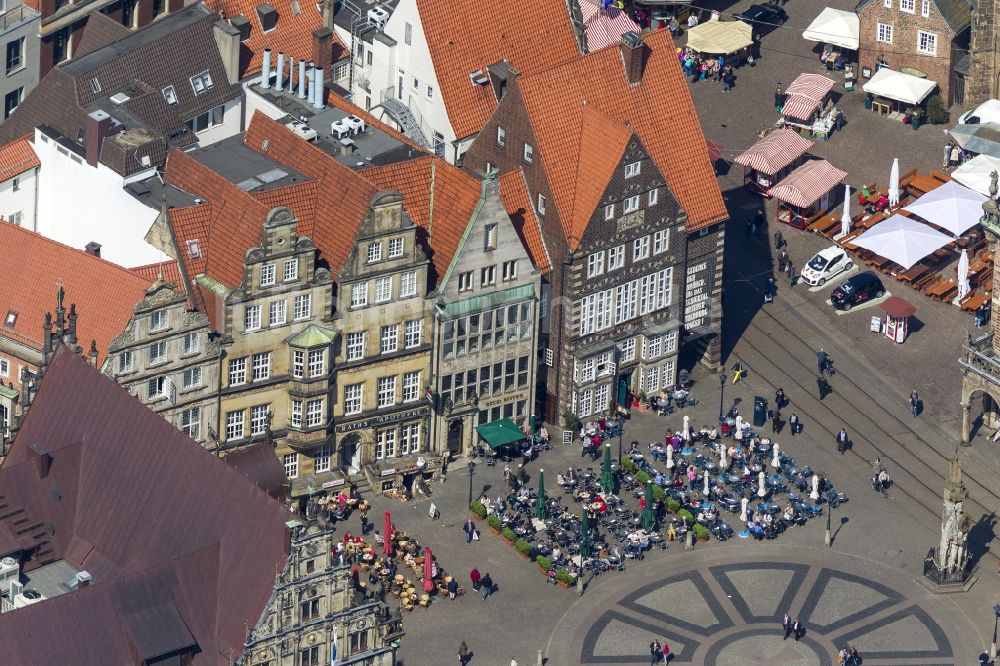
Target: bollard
x,y
539,661
688,540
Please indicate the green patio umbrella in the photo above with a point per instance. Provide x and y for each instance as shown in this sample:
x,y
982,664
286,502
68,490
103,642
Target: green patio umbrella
x,y
607,481
648,514
540,509
585,545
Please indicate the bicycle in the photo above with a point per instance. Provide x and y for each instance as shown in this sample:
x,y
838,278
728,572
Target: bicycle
x,y
880,487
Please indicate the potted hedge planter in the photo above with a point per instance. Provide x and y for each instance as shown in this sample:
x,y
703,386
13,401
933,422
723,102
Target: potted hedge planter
x,y
544,564
493,522
700,532
508,535
564,580
673,506
478,510
523,548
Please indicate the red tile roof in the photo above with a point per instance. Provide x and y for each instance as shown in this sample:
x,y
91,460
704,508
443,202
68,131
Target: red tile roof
x,y
439,198
155,519
658,109
528,35
17,157
169,269
104,293
517,201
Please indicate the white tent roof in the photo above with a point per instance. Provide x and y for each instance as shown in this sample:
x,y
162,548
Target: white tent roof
x,y
952,206
837,27
898,86
902,240
975,174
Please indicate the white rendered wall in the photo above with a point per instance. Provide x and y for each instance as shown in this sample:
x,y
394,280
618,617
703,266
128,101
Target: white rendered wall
x,y
24,199
231,124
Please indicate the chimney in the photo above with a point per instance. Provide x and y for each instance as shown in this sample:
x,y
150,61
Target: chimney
x,y
302,79
98,128
319,97
228,36
311,94
634,56
322,43
93,248
265,70
279,83
268,17
242,24
43,460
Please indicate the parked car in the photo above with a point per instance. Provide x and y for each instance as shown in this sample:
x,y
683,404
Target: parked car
x,y
856,290
763,18
825,264
987,112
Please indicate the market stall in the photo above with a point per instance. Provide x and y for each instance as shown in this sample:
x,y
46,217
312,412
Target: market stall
x,y
731,39
897,315
771,159
604,26
896,94
839,32
808,107
807,192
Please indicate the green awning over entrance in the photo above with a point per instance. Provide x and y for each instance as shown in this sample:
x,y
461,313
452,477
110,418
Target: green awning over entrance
x,y
500,432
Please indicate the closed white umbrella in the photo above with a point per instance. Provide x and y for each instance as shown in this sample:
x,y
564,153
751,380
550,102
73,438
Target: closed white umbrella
x,y
963,274
845,219
894,183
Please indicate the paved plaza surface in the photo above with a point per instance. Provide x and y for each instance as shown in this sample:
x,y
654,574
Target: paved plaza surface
x,y
721,603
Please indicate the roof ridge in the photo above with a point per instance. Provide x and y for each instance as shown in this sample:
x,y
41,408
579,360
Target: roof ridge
x,y
83,253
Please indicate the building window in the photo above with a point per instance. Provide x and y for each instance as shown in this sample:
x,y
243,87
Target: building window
x,y
207,120
321,462
352,399
640,248
654,347
409,439
416,83
408,284
157,320
156,388
411,386
501,136
430,95
669,342
625,304
529,153
627,350
169,95
355,350
125,361
359,295
490,237
488,276
234,425
652,382
884,33
291,463
616,257
633,169
609,212
314,413
374,252
602,396
201,82
317,362
258,419
267,275
296,417
383,289
261,366
191,422
887,4
251,318
386,391
191,343
291,270
309,609
16,185
389,337
276,313
61,44
237,371
465,281
385,444
413,333
302,307
630,205
907,6
129,13
359,640
925,8
158,6
158,352
15,51
586,402
541,205
408,34
595,264
661,241
395,247
654,196
298,363
191,378
927,43
4,368
647,294
510,270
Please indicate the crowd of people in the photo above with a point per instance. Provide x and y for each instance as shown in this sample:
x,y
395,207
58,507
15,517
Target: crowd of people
x,y
699,67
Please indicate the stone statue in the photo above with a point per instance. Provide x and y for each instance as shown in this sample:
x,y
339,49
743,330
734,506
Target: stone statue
x,y
951,552
744,503
991,212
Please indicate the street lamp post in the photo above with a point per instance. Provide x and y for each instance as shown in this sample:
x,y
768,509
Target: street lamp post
x,y
993,646
828,535
722,393
621,434
472,470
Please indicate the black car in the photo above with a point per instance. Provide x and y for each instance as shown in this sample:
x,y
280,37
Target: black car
x,y
763,18
856,290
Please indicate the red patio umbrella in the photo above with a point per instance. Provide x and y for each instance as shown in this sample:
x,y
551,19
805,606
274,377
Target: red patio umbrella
x,y
387,533
428,571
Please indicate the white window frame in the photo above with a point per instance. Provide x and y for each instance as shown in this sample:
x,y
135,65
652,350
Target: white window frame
x,y
290,461
626,350
602,397
661,241
4,368
595,263
277,313
931,38
295,417
883,33
616,257
353,395
291,270
191,343
267,275
488,276
317,362
374,252
490,237
654,196
509,270
586,402
238,371
501,136
201,82
158,352
190,422
630,205
385,392
396,247
411,386
541,205
409,439
664,288
321,462
261,366
887,4
640,248
908,6
609,212
359,295
634,169
298,363
191,377
302,307
408,284
355,348
157,320
156,387
529,153
389,339
925,8
413,333
383,289
465,281
314,413
258,419
251,318
235,425
385,444
125,361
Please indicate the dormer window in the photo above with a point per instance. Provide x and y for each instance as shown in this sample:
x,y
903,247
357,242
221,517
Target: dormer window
x,y
95,86
201,82
10,319
529,153
170,95
194,249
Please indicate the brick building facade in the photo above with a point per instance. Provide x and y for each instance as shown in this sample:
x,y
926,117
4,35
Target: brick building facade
x,y
984,75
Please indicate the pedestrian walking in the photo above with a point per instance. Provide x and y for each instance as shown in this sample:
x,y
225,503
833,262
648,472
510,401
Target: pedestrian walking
x,y
947,156
666,652
821,361
463,653
797,629
486,586
727,79
452,588
793,424
469,530
476,579
364,524
914,402
779,398
842,441
775,419
779,98
786,625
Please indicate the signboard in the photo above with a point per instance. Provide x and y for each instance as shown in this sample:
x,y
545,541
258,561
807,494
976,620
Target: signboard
x,y
567,437
333,484
697,288
388,472
520,395
382,419
876,324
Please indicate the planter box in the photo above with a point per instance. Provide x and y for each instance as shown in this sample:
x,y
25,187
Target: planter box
x,y
494,530
523,556
476,516
563,585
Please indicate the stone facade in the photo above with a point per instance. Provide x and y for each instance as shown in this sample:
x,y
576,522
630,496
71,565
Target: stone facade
x,y
382,413
985,54
168,357
315,600
901,33
278,341
485,329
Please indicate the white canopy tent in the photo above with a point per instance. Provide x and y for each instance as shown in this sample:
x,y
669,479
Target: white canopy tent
x,y
902,240
975,174
952,207
835,26
898,86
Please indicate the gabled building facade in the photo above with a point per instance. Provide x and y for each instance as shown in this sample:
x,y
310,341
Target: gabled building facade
x,y
19,25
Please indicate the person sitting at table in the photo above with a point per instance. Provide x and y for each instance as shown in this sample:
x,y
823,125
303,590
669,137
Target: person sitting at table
x,y
882,203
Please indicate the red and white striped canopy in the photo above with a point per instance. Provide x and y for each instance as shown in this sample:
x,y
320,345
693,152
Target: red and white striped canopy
x,y
604,27
775,151
806,95
804,186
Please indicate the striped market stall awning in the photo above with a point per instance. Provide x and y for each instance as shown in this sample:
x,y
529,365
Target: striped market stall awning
x,y
805,96
604,27
804,186
775,151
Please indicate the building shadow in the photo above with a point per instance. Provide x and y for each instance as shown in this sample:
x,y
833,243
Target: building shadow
x,y
980,536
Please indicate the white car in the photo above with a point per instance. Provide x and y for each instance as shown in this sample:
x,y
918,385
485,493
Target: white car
x,y
987,112
825,264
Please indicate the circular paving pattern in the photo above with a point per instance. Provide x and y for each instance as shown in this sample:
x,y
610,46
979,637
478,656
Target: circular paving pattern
x,y
729,614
